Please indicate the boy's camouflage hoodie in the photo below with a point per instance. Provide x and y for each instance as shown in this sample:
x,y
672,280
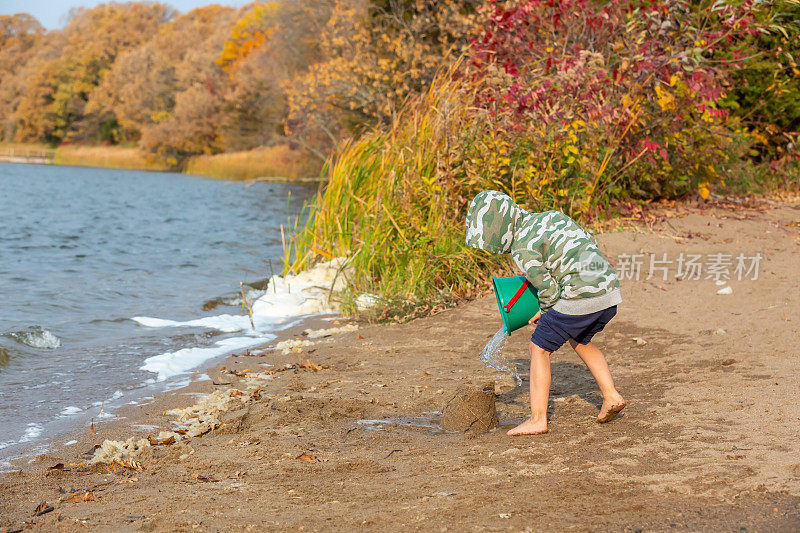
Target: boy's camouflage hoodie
x,y
557,256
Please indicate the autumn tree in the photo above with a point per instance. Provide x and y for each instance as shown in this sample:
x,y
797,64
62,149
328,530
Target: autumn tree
x,y
53,108
271,45
142,87
19,35
377,54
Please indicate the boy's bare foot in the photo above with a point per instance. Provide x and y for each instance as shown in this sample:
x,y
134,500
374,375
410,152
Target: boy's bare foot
x,y
611,409
529,427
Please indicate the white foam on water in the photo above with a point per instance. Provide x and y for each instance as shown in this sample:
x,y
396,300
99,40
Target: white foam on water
x,y
492,356
306,293
171,364
286,299
70,443
32,432
224,323
71,410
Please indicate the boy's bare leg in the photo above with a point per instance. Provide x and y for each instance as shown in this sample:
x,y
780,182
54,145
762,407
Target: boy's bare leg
x,y
540,392
613,402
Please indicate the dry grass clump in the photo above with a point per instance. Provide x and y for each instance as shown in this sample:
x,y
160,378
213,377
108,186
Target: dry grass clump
x,y
106,157
278,161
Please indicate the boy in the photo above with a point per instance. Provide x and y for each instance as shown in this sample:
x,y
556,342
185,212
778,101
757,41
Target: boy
x,y
578,291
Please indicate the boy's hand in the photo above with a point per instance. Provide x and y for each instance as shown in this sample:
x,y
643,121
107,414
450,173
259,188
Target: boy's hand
x,y
536,317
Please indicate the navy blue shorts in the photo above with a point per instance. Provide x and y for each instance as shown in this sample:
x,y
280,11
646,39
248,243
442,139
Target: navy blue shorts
x,y
554,328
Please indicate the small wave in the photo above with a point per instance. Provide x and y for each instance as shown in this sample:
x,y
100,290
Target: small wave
x,y
35,337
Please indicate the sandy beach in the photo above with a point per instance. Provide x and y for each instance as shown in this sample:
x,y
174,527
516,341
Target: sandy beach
x,y
347,437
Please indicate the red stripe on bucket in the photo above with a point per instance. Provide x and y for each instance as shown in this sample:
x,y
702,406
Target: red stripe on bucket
x,y
510,304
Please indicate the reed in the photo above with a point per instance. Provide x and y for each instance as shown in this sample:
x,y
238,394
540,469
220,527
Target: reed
x,y
393,205
278,161
106,157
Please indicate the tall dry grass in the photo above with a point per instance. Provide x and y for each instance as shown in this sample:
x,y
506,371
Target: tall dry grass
x,y
106,157
279,161
391,203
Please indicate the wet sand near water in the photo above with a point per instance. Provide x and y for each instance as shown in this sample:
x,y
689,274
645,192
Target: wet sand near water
x,y
709,440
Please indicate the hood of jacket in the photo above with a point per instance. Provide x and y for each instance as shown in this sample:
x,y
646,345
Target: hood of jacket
x,y
492,219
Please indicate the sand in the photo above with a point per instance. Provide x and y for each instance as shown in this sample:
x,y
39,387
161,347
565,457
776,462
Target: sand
x,y
346,438
471,409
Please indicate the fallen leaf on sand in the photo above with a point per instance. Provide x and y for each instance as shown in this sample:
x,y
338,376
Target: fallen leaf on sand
x,y
728,362
58,466
91,427
129,463
235,392
639,341
204,479
42,508
166,442
308,365
78,497
307,457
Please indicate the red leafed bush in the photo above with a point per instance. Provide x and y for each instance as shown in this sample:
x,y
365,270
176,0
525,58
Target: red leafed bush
x,y
615,97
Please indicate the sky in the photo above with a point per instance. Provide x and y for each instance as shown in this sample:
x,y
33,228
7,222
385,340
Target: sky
x,y
53,13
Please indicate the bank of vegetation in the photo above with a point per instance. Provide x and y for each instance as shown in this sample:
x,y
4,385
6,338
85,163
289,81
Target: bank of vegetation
x,y
409,107
580,106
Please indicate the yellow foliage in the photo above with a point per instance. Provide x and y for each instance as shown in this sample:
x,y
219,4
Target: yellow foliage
x,y
250,32
665,99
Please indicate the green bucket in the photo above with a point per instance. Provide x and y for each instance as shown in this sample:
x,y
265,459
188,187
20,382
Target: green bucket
x,y
517,301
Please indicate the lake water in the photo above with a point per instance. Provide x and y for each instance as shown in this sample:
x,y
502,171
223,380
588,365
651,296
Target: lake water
x,y
82,251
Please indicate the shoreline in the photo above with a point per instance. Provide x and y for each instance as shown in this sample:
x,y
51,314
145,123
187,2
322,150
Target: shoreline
x,y
118,423
275,314
227,167
351,442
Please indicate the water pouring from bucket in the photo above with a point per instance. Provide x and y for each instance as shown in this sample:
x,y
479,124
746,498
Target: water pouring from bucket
x,y
518,303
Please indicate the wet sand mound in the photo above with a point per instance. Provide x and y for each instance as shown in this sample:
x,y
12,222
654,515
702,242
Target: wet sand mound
x,y
471,409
